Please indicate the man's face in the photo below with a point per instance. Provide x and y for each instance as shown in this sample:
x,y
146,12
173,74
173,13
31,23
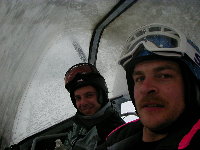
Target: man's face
x,y
158,92
86,100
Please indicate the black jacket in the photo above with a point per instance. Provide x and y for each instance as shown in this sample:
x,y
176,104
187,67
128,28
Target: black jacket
x,y
90,131
129,136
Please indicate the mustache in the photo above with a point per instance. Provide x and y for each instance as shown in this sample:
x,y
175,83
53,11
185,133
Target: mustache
x,y
152,99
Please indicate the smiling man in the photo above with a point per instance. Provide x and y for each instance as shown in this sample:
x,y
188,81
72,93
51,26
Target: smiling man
x,y
86,100
95,117
163,76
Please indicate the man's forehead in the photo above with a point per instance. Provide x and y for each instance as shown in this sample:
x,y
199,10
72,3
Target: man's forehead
x,y
157,65
84,89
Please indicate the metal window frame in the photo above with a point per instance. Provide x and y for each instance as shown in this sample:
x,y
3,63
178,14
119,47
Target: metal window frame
x,y
118,9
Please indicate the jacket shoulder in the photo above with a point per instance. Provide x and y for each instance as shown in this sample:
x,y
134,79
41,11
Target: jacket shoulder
x,y
192,138
124,131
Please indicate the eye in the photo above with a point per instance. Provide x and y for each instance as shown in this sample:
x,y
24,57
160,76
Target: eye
x,y
90,94
164,76
138,79
77,98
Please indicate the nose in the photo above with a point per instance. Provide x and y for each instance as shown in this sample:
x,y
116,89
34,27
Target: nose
x,y
149,87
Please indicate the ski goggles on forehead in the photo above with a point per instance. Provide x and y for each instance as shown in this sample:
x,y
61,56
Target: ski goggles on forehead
x,y
160,40
82,68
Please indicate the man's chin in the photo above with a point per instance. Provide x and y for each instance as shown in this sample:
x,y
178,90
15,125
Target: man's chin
x,y
87,112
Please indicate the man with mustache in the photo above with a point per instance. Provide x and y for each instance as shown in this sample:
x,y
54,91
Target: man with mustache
x,y
96,116
163,76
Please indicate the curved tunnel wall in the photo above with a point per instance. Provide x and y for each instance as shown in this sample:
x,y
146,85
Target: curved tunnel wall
x,y
34,33
21,50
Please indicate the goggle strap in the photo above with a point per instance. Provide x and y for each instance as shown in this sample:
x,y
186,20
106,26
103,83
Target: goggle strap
x,y
193,53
